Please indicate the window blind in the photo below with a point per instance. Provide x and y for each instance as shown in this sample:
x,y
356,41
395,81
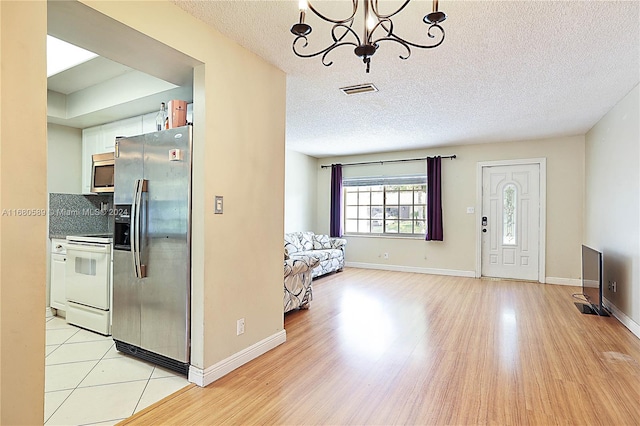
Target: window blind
x,y
385,180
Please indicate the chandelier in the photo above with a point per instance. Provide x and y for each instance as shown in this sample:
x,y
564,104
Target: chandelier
x,y
378,27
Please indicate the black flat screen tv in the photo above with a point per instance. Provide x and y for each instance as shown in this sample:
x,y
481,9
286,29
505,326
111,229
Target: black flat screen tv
x,y
592,282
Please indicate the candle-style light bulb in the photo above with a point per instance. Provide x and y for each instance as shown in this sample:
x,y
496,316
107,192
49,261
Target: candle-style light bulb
x,y
371,22
301,29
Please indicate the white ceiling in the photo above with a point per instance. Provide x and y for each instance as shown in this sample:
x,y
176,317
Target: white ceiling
x,y
103,90
87,74
507,70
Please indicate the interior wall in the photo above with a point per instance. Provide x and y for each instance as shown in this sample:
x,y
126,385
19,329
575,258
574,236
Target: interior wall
x,y
240,136
456,255
23,188
612,201
64,172
300,192
64,159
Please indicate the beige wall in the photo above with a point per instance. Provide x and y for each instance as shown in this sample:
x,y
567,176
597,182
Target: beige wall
x,y
239,137
64,172
457,253
64,159
240,141
300,192
23,185
612,201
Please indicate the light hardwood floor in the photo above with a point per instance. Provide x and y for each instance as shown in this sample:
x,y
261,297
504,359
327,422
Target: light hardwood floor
x,y
381,348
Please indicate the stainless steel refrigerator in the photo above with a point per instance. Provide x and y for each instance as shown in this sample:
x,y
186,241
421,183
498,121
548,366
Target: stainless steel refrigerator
x,y
152,240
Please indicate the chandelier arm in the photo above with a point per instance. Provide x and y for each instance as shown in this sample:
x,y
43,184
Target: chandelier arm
x,y
399,41
330,49
347,30
337,42
324,52
419,46
334,21
381,24
374,8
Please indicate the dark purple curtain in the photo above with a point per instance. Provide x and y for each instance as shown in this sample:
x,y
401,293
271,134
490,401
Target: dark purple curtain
x,y
335,227
434,199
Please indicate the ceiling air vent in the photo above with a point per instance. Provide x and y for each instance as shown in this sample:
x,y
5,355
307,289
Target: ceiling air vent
x,y
360,88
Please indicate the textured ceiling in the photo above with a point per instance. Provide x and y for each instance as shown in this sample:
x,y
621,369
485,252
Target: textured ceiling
x,y
507,70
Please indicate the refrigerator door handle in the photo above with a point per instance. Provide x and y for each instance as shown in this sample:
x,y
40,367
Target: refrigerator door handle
x,y
134,230
136,223
142,267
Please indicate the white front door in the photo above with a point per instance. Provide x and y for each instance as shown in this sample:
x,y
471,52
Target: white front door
x,y
511,221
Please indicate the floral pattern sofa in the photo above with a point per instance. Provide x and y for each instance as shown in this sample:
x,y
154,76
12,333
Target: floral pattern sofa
x,y
330,251
297,281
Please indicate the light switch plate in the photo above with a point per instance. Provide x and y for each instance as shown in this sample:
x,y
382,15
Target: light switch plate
x,y
217,205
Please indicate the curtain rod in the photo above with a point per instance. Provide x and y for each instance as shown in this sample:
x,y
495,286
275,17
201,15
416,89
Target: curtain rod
x,y
326,166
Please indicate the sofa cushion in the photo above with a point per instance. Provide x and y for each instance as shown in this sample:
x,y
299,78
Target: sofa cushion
x,y
300,263
322,255
321,242
335,254
291,244
298,241
306,240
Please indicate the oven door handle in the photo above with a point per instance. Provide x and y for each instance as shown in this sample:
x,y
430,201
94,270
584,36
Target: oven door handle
x,y
136,223
76,247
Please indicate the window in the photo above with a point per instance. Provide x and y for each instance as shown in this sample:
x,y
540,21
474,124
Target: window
x,y
386,205
509,195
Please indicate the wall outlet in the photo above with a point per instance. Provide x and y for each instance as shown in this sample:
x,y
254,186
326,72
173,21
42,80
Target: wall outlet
x,y
385,255
240,327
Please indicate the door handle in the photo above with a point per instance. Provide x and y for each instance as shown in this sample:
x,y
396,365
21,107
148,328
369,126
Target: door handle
x,y
134,218
136,223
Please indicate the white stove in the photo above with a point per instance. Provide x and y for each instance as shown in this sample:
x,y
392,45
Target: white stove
x,y
89,280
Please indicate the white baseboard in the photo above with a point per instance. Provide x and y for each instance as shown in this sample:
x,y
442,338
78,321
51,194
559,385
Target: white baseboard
x,y
210,374
575,282
49,312
418,270
633,326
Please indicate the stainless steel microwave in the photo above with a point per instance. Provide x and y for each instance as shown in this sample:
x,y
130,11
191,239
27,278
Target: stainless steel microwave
x,y
102,170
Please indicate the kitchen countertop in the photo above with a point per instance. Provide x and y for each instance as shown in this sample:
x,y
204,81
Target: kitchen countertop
x,y
76,234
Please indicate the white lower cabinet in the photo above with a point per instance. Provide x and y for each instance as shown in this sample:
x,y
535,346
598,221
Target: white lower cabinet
x,y
58,274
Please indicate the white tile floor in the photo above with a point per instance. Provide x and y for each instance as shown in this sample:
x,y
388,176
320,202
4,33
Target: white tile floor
x,y
87,382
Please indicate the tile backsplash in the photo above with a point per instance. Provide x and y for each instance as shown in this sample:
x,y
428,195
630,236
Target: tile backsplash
x,y
76,214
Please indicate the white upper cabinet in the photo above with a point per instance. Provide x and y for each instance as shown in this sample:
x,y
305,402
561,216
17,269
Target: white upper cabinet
x,y
149,122
100,139
92,143
128,127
